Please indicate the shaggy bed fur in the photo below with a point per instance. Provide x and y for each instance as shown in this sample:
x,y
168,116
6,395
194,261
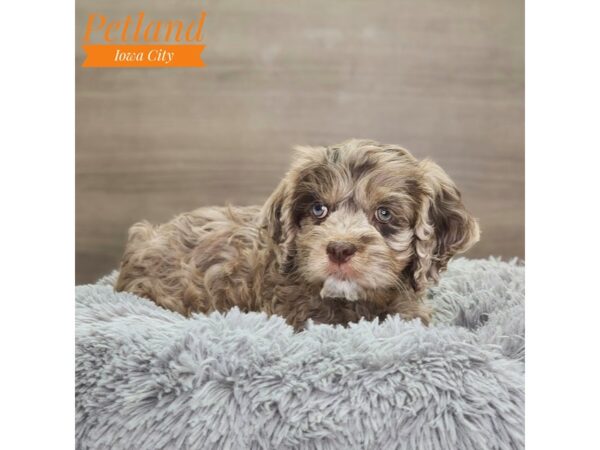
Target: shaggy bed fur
x,y
354,230
148,378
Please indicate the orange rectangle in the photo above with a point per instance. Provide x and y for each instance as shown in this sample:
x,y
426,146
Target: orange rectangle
x,y
143,56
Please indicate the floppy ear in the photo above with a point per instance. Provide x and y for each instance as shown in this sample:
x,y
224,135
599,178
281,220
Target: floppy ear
x,y
443,227
277,221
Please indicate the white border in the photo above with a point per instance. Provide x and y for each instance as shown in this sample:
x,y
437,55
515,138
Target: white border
x,y
37,225
562,224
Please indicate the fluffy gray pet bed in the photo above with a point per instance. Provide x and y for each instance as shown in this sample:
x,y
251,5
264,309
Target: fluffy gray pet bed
x,y
148,378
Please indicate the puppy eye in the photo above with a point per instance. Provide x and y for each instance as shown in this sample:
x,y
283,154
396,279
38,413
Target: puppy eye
x,y
383,215
319,210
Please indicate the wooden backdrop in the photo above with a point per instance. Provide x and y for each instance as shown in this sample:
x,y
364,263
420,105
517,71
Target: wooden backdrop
x,y
442,78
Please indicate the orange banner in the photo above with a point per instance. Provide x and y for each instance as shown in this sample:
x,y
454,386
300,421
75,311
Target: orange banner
x,y
143,56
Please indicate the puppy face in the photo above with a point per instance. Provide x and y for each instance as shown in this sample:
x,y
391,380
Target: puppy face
x,y
361,217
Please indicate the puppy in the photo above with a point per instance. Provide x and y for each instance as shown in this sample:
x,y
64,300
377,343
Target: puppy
x,y
358,229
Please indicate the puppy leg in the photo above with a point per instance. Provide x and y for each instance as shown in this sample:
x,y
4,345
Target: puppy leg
x,y
156,267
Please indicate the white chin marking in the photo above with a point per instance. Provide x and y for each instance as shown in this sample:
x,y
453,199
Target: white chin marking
x,y
336,288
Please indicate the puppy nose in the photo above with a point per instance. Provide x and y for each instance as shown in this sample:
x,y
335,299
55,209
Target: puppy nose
x,y
340,252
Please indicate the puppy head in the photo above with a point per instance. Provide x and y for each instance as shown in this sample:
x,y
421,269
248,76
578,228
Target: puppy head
x,y
361,217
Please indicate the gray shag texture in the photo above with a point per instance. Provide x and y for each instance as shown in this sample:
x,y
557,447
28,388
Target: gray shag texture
x,y
148,378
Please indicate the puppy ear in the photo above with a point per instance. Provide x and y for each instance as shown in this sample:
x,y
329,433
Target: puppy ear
x,y
443,227
277,220
277,216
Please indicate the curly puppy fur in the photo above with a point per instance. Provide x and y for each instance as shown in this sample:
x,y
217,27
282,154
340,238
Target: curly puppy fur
x,y
358,229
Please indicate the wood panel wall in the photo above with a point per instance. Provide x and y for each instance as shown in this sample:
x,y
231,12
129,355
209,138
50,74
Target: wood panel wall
x,y
443,79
